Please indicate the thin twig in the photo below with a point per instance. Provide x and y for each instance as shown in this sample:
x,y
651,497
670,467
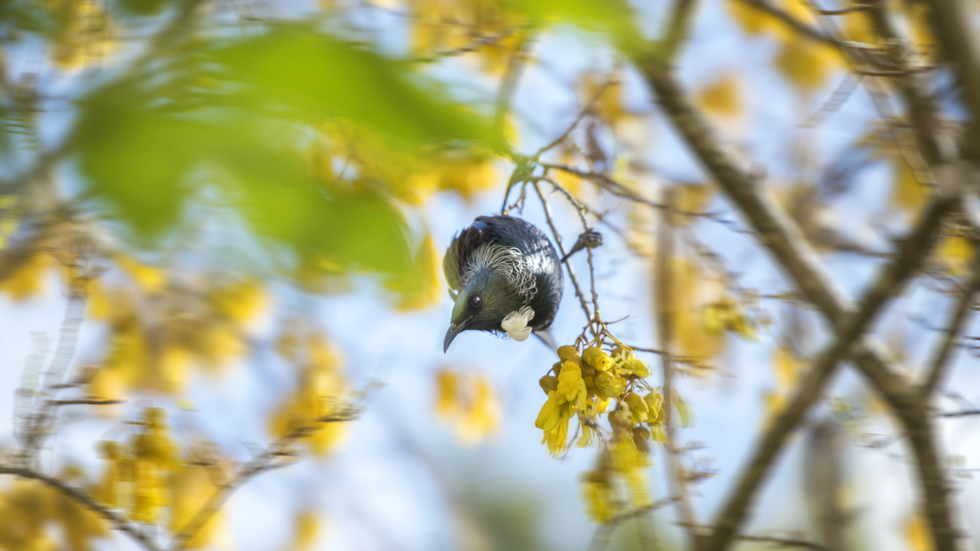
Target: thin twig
x,y
561,251
571,128
941,357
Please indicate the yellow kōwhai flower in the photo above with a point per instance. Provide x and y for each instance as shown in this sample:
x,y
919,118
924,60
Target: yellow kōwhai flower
x,y
599,497
609,385
598,359
571,387
638,407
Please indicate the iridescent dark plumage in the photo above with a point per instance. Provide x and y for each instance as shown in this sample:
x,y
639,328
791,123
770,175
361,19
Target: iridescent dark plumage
x,y
498,267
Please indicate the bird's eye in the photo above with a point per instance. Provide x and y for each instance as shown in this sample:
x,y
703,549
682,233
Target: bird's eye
x,y
476,301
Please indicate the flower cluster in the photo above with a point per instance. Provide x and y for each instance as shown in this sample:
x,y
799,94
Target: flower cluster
x,y
587,385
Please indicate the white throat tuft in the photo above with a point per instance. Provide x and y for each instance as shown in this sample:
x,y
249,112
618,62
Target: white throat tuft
x,y
515,323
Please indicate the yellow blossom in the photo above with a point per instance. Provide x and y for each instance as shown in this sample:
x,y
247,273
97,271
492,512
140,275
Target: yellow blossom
x,y
588,433
447,401
569,354
598,359
548,383
553,420
481,417
548,416
571,387
600,503
609,385
654,402
638,407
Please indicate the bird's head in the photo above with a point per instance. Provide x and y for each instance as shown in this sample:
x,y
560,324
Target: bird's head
x,y
481,305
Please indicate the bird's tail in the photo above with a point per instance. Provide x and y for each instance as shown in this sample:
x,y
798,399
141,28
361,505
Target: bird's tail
x,y
545,336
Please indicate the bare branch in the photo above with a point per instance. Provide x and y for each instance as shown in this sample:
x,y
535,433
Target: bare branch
x,y
950,335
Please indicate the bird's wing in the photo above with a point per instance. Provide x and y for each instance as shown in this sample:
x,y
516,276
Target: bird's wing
x,y
469,240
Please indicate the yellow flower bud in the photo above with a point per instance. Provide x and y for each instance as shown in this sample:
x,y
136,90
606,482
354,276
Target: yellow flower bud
x,y
569,354
549,383
598,359
654,402
620,419
714,319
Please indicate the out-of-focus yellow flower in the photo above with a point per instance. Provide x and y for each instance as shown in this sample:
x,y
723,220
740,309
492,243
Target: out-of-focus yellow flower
x,y
28,279
222,343
173,367
917,533
447,394
191,487
722,96
306,531
655,411
106,382
149,278
481,416
599,497
320,393
805,63
631,464
956,255
242,301
110,490
155,455
469,402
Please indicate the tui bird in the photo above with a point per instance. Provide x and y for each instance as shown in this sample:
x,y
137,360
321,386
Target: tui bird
x,y
503,275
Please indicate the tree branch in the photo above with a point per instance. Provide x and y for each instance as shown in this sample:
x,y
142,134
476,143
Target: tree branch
x,y
941,357
271,459
789,248
85,500
953,22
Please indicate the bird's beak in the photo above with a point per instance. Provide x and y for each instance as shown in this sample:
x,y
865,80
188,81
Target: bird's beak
x,y
454,329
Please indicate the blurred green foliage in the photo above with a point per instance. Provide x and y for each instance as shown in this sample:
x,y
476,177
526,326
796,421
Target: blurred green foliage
x,y
240,113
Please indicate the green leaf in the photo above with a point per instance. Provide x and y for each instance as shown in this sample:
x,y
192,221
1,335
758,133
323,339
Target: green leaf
x,y
613,18
239,115
296,73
